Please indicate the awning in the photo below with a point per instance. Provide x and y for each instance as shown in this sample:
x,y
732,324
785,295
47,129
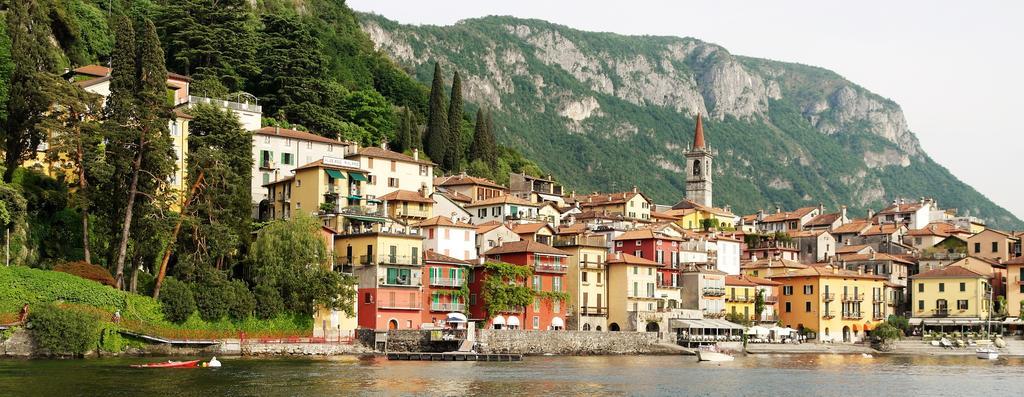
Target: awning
x,y
915,321
365,218
557,322
456,318
1013,321
513,321
354,197
357,177
549,197
705,323
334,173
498,320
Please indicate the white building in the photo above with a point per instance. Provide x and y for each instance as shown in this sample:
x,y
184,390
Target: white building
x,y
501,209
278,151
249,113
493,235
727,255
450,238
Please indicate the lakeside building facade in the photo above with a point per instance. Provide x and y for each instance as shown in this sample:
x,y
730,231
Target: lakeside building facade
x,y
831,303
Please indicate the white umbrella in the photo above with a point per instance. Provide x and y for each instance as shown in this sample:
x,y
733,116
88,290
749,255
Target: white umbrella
x,y
758,330
456,318
785,331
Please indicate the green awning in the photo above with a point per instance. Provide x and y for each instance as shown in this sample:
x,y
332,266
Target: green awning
x,y
357,177
335,174
355,198
366,218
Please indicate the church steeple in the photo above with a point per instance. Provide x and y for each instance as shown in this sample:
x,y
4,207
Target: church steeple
x,y
698,168
698,134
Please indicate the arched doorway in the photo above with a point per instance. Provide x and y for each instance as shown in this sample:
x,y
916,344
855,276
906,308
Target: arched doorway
x,y
586,327
393,324
652,327
846,334
614,327
598,328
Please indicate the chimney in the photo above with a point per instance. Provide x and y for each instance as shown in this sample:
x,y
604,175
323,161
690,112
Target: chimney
x,y
871,213
778,210
860,270
424,190
728,208
634,189
415,154
760,215
895,201
384,144
835,270
355,147
872,255
842,211
903,200
821,208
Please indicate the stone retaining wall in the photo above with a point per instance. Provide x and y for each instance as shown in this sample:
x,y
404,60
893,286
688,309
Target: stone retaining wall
x,y
303,349
568,342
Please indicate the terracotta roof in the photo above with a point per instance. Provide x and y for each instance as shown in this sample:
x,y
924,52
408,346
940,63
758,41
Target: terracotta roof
x,y
900,208
877,230
1015,261
620,258
877,256
576,228
444,221
643,234
296,134
1000,232
805,233
506,199
678,213
175,76
824,219
851,249
664,215
405,195
488,226
285,179
525,246
599,199
788,215
431,256
772,263
462,180
955,270
93,70
373,151
529,228
179,113
737,280
455,196
828,271
855,227
941,229
687,204
760,280
592,214
698,134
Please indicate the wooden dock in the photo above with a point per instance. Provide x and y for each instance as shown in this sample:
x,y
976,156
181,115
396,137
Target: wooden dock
x,y
453,356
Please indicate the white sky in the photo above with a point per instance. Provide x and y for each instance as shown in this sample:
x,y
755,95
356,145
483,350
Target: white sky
x,y
956,68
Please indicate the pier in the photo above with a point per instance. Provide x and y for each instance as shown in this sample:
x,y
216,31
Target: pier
x,y
453,356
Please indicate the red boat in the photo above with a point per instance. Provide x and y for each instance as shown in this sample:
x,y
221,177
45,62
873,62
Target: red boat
x,y
169,364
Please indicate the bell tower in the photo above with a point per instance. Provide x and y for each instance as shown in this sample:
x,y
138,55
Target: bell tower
x,y
698,168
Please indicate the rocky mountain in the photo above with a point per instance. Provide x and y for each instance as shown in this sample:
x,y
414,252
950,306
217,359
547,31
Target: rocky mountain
x,y
603,111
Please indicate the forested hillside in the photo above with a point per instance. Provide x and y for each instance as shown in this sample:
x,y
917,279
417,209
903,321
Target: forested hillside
x,y
605,111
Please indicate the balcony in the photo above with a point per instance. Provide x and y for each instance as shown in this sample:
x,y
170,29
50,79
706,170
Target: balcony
x,y
243,106
667,284
771,299
268,165
878,316
447,307
944,312
593,241
411,213
853,297
343,268
591,265
828,296
594,311
447,282
407,260
766,318
410,281
829,314
853,316
739,299
396,305
285,198
550,268
714,291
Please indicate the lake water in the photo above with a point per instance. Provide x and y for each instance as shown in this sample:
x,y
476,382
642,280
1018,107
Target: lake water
x,y
761,375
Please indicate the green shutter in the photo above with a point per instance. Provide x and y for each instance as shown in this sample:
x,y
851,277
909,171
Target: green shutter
x,y
392,276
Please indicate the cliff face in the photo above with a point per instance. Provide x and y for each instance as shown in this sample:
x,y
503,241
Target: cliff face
x,y
787,134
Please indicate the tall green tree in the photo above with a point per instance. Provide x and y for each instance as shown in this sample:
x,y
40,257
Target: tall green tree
x,y
403,137
290,259
453,155
139,144
435,138
210,38
33,83
490,153
483,147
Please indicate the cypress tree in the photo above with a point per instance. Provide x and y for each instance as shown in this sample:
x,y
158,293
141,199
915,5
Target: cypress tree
x,y
490,151
120,107
415,137
435,140
32,82
453,155
476,149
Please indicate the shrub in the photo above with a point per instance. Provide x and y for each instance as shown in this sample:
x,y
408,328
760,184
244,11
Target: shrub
x,y
64,331
211,295
268,302
899,322
87,271
177,301
242,303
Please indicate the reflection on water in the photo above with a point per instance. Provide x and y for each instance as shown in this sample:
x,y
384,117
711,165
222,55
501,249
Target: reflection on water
x,y
770,375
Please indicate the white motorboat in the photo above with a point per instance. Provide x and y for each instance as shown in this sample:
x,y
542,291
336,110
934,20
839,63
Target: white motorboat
x,y
703,355
987,353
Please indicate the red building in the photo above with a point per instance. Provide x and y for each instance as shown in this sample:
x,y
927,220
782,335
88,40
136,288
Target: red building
x,y
658,247
549,271
445,277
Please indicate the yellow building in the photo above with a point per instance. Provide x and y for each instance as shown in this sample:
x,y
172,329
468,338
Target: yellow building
x,y
770,267
324,190
631,284
408,206
833,303
739,297
691,215
632,204
957,294
586,281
